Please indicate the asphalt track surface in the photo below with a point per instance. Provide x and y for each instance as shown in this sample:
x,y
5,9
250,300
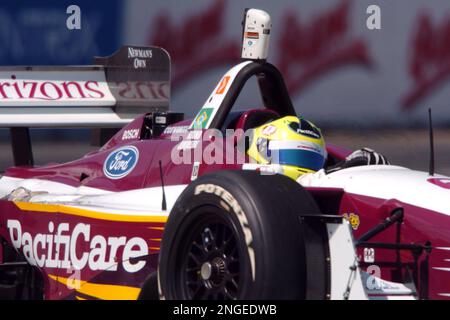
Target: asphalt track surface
x,y
405,147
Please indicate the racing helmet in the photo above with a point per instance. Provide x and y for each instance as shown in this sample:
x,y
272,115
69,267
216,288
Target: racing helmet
x,y
293,143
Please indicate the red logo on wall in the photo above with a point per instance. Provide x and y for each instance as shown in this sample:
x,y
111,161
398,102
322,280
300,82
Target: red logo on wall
x,y
429,64
304,51
197,44
307,51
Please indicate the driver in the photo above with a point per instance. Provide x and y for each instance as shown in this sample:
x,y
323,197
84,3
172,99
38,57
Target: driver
x,y
297,145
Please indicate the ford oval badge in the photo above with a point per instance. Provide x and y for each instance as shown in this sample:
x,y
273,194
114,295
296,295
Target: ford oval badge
x,y
121,162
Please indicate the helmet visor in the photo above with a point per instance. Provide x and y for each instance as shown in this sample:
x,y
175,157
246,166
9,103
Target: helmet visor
x,y
304,155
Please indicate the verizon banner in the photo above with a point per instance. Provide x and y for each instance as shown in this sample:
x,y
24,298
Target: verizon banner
x,y
338,69
42,88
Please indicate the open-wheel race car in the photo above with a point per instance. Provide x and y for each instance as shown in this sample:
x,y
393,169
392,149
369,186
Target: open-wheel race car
x,y
143,217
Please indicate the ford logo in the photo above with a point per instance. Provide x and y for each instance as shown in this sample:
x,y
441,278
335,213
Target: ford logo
x,y
121,162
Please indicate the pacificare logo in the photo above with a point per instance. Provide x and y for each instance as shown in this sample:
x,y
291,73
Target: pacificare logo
x,y
121,162
67,246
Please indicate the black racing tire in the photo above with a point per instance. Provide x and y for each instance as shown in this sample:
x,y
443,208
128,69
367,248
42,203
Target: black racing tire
x,y
240,235
149,290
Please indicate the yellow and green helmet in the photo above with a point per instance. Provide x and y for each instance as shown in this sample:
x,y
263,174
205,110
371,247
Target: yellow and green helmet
x,y
294,143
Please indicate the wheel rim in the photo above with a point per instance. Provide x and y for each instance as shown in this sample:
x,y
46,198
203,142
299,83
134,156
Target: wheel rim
x,y
210,264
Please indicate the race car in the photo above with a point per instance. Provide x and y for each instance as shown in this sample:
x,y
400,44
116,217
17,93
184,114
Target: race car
x,y
149,216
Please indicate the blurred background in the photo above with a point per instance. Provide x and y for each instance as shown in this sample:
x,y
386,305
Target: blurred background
x,y
362,87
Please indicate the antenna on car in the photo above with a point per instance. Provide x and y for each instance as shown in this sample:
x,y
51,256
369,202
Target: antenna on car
x,y
431,169
164,204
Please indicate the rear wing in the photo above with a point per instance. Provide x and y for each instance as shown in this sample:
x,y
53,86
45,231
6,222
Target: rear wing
x,y
115,90
109,94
